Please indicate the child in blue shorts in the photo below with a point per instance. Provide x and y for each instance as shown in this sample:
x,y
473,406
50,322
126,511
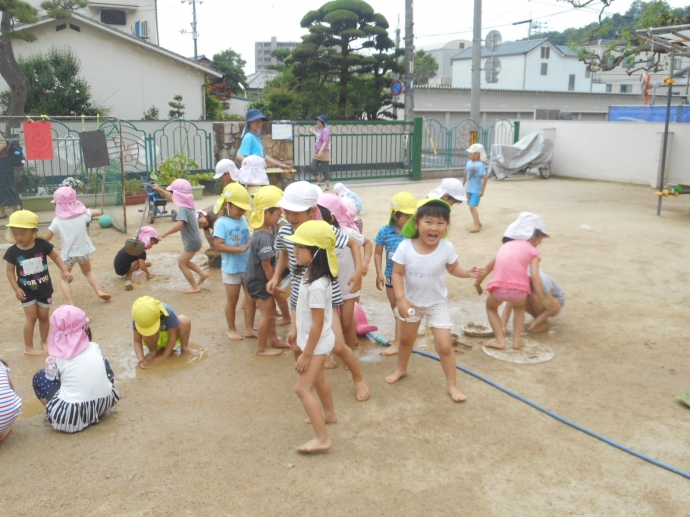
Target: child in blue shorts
x,y
475,182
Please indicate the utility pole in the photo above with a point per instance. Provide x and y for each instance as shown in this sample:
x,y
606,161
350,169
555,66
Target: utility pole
x,y
195,34
475,96
409,62
395,76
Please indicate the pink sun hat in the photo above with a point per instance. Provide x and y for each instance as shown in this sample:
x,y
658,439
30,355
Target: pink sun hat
x,y
67,206
68,336
182,193
344,213
146,234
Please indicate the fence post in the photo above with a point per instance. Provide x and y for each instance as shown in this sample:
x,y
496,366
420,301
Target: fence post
x,y
417,149
516,131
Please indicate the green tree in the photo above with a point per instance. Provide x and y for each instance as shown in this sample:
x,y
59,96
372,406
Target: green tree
x,y
152,113
214,106
177,110
425,67
55,87
231,65
19,11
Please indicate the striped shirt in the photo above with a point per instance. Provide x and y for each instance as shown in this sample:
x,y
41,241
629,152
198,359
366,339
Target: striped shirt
x,y
390,239
341,241
10,403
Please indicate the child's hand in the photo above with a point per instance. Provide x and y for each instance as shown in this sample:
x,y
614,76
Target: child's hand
x,y
302,363
380,282
355,283
478,287
21,295
246,246
291,339
68,277
365,270
477,272
272,287
403,306
160,358
143,363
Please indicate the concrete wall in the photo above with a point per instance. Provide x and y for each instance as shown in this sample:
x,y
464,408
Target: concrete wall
x,y
615,151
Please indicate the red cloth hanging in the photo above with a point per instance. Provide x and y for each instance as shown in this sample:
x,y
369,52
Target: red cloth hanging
x,y
38,138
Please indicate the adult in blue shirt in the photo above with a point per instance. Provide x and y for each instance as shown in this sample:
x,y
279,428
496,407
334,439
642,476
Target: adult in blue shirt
x,y
251,143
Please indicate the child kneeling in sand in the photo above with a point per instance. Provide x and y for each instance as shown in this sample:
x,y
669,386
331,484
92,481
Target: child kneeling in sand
x,y
312,338
420,265
156,325
126,264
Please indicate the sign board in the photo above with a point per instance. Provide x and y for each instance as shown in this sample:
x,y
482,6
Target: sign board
x,y
492,68
38,139
281,131
493,41
95,149
396,87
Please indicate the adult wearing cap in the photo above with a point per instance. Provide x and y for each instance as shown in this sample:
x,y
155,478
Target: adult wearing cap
x,y
475,182
450,190
156,325
226,171
77,384
320,163
251,143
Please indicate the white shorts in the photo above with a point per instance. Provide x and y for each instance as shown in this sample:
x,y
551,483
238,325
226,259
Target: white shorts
x,y
70,261
235,279
437,316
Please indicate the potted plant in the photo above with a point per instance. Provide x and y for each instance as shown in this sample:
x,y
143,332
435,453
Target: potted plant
x,y
206,179
134,192
33,191
177,167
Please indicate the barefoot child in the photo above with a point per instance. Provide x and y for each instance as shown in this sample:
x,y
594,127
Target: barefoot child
x,y
510,281
156,325
180,193
27,272
403,206
231,237
70,226
475,182
419,272
126,264
312,338
10,403
262,255
299,205
550,305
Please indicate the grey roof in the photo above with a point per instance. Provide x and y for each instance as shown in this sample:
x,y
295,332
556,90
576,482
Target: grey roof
x,y
512,48
514,90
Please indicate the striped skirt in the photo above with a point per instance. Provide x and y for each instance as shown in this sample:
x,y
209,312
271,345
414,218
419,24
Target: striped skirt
x,y
72,417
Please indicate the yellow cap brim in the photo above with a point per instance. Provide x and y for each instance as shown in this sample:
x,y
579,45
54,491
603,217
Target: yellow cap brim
x,y
148,331
330,253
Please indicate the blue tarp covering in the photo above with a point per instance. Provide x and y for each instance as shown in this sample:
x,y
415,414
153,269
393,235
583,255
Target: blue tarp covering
x,y
647,114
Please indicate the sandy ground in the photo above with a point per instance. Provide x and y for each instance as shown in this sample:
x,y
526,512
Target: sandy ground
x,y
217,436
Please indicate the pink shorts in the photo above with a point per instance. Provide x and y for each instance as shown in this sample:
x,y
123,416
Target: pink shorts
x,y
506,294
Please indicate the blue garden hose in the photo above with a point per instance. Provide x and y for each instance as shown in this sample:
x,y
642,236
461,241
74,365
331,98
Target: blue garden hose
x,y
383,341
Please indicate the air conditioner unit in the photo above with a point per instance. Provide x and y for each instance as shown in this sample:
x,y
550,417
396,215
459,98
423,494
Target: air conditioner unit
x,y
141,29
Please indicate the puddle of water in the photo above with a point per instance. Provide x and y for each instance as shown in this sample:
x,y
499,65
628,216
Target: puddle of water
x,y
167,274
128,365
31,407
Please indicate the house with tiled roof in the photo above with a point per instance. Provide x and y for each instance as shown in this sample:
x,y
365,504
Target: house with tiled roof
x,y
536,65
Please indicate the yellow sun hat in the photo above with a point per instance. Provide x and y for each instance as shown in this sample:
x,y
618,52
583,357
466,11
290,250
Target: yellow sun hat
x,y
146,313
321,235
233,193
23,219
410,229
402,202
267,197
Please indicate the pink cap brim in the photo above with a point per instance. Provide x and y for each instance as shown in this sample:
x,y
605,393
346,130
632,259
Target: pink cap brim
x,y
183,200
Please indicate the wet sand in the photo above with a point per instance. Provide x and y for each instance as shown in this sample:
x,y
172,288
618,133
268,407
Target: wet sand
x,y
218,436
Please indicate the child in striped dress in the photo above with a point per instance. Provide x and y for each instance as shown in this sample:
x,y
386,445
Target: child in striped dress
x,y
10,403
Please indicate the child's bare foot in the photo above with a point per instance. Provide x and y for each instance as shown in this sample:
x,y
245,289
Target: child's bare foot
x,y
391,350
361,390
190,351
395,376
4,435
539,327
495,344
128,285
251,333
204,276
104,296
329,419
517,346
233,335
475,229
281,322
34,351
315,445
193,290
330,364
279,344
269,352
456,394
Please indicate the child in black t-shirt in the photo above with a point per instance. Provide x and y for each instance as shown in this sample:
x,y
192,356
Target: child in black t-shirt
x,y
126,264
27,271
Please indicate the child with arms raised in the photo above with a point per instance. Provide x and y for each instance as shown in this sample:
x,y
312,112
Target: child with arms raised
x,y
312,338
265,216
403,206
27,272
419,272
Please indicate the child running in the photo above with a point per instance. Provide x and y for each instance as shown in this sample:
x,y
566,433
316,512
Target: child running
x,y
232,239
475,182
10,403
180,193
342,216
510,281
389,237
156,325
312,339
421,262
126,264
265,216
70,226
299,205
27,272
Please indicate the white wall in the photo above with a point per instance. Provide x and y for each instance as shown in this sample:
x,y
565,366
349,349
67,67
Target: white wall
x,y
125,76
615,151
510,77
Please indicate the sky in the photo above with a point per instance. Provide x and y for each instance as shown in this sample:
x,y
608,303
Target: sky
x,y
234,24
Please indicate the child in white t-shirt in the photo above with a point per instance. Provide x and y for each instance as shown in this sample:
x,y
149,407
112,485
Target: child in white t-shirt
x,y
419,271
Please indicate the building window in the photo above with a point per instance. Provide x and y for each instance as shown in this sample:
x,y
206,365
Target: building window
x,y
608,88
113,17
626,88
588,74
677,63
545,53
544,69
462,45
571,82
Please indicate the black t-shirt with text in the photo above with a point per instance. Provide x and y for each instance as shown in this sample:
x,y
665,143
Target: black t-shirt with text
x,y
31,267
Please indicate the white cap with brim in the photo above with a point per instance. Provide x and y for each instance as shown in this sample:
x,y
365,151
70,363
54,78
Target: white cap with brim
x,y
226,166
478,148
299,197
523,227
451,186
